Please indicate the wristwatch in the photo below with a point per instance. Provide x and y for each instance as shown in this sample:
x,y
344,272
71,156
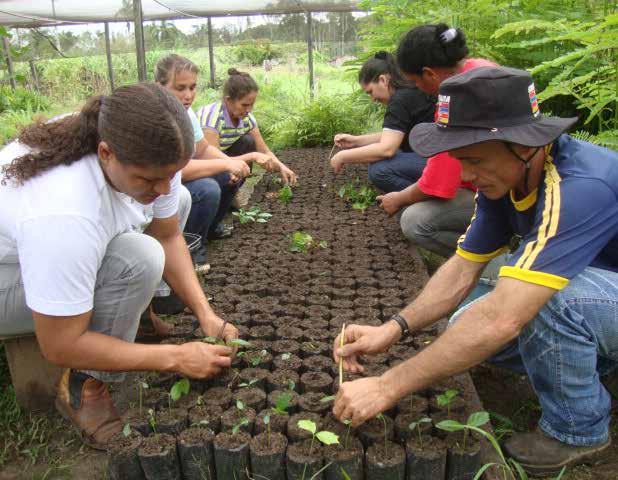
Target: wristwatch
x,y
402,324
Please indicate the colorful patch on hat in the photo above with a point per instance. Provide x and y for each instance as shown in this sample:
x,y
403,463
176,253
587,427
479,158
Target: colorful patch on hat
x,y
534,102
444,102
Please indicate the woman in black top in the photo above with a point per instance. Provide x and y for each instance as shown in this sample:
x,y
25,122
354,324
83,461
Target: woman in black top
x,y
393,165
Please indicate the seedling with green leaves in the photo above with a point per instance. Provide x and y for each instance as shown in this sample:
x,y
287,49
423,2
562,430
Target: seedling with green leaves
x,y
248,384
282,404
510,468
126,431
141,386
152,421
359,196
285,194
236,342
383,418
417,425
301,242
256,358
254,214
324,436
243,421
446,399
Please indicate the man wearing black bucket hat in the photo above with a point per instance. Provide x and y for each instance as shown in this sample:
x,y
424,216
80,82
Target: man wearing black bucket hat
x,y
552,313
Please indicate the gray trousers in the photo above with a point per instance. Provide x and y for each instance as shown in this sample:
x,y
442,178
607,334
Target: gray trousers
x,y
436,225
130,273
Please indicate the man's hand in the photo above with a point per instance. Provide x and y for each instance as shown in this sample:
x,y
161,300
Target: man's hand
x,y
364,340
337,162
199,360
213,328
345,140
238,168
391,203
266,161
287,175
362,400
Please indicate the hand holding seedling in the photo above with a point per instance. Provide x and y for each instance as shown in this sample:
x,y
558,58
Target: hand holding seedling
x,y
219,328
287,175
362,399
345,140
390,202
337,162
364,340
200,360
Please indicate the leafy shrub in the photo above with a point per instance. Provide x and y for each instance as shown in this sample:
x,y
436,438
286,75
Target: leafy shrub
x,y
255,53
21,99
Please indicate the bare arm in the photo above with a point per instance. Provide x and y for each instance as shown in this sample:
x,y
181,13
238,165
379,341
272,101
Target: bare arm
x,y
385,147
392,202
210,161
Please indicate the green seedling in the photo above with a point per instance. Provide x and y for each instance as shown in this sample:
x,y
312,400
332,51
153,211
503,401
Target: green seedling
x,y
327,399
243,421
301,242
348,424
359,197
446,399
237,342
285,194
254,214
126,431
201,424
258,357
291,385
286,356
282,404
324,436
383,418
248,384
180,388
267,423
417,425
152,421
510,468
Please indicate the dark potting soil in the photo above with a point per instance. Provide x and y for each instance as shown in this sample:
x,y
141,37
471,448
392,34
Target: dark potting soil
x,y
278,421
257,358
252,397
262,445
287,361
414,404
313,348
157,443
230,441
285,346
312,402
196,435
280,380
372,431
316,363
427,446
233,416
292,404
395,454
206,413
316,382
304,460
218,396
255,377
171,420
138,421
402,424
295,433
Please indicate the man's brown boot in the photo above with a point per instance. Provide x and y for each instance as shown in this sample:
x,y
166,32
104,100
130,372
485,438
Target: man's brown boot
x,y
541,455
86,403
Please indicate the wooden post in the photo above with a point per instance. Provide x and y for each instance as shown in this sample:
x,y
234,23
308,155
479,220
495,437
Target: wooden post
x,y
34,75
140,50
9,62
108,52
310,54
211,54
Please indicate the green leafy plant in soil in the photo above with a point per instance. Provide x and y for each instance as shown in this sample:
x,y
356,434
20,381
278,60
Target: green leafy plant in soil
x,y
285,194
243,421
510,468
358,196
417,425
302,242
446,399
253,214
324,436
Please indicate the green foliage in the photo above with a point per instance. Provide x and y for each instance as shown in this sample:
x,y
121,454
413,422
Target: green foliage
x,y
126,431
180,388
283,403
417,425
22,99
254,214
301,242
285,194
254,53
324,436
359,196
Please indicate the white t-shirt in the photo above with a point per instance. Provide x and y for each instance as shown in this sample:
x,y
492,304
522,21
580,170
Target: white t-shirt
x,y
57,226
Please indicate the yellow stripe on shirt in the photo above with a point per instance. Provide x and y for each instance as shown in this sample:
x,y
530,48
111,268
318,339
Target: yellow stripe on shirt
x,y
462,237
550,218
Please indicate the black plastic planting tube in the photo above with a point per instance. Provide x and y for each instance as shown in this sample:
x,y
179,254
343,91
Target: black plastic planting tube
x,y
269,465
232,463
163,465
423,464
196,458
463,465
124,463
378,470
352,464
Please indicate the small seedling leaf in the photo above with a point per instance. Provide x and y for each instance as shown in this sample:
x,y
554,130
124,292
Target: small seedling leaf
x,y
330,398
266,419
239,342
307,425
327,438
144,385
283,402
286,356
450,426
126,431
477,419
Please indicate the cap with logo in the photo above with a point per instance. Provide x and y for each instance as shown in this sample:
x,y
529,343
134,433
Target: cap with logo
x,y
487,103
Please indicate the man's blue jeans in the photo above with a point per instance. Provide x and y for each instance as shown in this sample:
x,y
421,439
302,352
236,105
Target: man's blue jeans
x,y
211,199
564,350
398,172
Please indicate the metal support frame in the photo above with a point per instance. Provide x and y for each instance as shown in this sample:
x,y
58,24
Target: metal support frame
x,y
211,54
310,54
9,62
140,49
108,53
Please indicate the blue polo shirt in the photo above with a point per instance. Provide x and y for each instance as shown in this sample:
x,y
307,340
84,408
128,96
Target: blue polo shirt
x,y
568,223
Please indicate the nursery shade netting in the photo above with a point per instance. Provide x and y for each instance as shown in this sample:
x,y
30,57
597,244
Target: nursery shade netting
x,y
30,13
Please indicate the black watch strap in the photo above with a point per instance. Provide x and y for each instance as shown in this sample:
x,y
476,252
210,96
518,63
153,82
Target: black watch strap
x,y
402,324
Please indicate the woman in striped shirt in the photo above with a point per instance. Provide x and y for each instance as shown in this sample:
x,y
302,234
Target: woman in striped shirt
x,y
229,125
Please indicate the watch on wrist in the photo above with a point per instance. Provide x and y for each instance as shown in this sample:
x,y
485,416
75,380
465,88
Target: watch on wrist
x,y
402,324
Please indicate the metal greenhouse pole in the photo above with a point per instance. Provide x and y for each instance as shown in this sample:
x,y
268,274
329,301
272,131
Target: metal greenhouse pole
x,y
211,54
310,54
140,50
9,62
108,53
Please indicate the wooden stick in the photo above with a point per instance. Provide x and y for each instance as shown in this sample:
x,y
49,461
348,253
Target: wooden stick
x,y
331,151
341,358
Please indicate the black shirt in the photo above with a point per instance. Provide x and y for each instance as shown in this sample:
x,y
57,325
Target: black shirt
x,y
407,107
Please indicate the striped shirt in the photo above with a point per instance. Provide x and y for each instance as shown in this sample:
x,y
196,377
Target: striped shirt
x,y
216,118
569,223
